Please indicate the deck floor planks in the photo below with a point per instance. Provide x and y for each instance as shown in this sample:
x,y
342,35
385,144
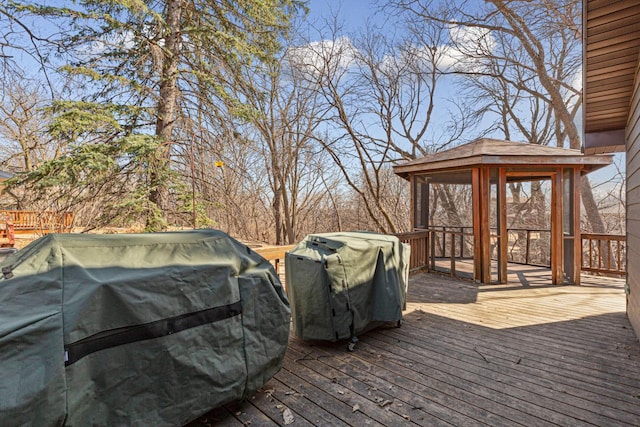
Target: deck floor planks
x,y
590,358
454,400
248,414
516,344
494,387
502,341
266,400
558,346
346,391
522,353
307,383
402,377
562,346
504,379
381,392
578,338
509,362
302,405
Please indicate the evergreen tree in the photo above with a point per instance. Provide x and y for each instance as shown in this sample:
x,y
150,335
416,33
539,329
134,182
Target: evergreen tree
x,y
142,72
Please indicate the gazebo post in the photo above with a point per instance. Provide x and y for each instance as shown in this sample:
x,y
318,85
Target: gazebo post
x,y
557,229
431,257
484,262
477,237
503,235
426,196
412,193
577,232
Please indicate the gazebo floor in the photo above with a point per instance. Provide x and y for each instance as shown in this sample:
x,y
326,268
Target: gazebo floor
x,y
526,275
524,353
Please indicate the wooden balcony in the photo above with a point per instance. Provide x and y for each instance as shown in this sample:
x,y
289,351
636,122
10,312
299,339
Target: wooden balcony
x,y
38,223
521,353
41,222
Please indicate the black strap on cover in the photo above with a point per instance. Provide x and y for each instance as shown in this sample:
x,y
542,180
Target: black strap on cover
x,y
159,328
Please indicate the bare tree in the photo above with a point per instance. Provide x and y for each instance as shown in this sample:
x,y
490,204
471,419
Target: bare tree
x,y
380,93
23,124
538,44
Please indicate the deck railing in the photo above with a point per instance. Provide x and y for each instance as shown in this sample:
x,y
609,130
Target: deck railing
x,y
604,253
601,253
39,222
419,242
275,255
442,242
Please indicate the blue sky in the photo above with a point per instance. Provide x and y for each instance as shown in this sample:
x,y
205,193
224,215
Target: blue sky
x,y
355,10
354,15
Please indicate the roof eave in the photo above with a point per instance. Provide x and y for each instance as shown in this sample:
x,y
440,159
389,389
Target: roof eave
x,y
586,163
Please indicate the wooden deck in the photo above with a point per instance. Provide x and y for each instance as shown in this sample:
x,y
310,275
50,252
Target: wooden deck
x,y
502,355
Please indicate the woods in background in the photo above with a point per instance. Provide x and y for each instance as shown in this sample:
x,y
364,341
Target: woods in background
x,y
249,117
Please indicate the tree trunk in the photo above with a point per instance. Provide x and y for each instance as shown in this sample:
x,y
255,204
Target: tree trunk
x,y
166,109
536,53
590,207
277,214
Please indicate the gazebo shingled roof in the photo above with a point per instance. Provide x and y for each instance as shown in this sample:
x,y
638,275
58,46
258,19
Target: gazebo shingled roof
x,y
487,151
486,162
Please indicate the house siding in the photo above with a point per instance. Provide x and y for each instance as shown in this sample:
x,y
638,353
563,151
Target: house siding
x,y
633,206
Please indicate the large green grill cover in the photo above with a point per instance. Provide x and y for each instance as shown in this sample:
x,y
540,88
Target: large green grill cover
x,y
342,284
135,330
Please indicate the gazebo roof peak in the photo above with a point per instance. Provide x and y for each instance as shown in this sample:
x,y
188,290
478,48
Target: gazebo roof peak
x,y
488,151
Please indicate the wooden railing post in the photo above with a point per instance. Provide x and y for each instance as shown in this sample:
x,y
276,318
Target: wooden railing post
x,y
600,254
432,261
527,250
453,255
427,249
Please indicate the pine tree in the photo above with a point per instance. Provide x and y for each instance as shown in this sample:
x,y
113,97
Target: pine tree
x,y
142,69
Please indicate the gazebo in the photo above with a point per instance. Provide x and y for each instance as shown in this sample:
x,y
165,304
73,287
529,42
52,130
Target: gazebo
x,y
484,163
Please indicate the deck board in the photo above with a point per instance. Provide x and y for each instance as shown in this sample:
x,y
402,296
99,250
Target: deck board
x,y
522,353
378,393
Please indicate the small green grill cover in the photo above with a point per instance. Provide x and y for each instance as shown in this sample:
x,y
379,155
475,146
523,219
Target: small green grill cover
x,y
136,330
342,284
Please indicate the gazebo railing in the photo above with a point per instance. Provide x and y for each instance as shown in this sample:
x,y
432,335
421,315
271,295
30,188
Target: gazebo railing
x,y
601,253
535,253
438,242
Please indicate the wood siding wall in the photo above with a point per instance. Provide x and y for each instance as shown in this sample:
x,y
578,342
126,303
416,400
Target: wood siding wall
x,y
612,44
633,207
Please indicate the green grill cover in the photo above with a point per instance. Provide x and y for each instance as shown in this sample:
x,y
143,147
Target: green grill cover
x,y
342,284
136,330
